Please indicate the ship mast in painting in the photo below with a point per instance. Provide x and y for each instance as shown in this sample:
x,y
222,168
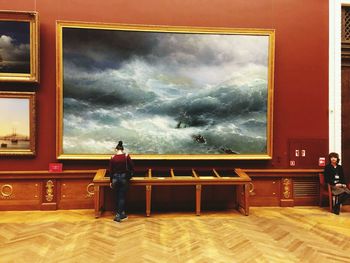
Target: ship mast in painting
x,y
14,137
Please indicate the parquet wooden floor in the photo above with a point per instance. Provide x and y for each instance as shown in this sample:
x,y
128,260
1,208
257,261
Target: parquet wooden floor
x,y
301,234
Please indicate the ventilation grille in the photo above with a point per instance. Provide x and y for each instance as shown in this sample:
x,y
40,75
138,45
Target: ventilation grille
x,y
345,32
304,188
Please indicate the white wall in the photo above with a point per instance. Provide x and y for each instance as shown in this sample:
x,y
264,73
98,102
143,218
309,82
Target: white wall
x,y
335,74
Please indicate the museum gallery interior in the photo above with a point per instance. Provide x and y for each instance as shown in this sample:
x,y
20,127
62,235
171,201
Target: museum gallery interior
x,y
228,110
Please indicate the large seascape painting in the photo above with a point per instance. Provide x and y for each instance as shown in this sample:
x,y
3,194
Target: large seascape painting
x,y
19,36
168,93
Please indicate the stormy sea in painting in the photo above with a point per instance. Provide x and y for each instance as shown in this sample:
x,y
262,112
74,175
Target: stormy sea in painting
x,y
164,93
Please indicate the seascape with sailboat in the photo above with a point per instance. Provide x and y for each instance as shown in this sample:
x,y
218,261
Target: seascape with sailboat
x,y
14,141
14,124
165,93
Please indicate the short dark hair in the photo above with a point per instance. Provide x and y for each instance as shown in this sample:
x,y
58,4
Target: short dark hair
x,y
335,155
119,146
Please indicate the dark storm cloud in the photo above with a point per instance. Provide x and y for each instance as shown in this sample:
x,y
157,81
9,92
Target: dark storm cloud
x,y
19,31
188,50
101,49
104,48
14,47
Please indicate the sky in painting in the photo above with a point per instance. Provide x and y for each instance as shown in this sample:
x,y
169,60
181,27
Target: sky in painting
x,y
14,47
164,93
14,116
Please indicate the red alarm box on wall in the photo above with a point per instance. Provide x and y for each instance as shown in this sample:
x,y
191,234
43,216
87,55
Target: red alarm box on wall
x,y
322,161
55,167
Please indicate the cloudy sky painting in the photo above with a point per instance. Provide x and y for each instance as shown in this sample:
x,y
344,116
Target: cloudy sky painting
x,y
164,93
14,47
14,117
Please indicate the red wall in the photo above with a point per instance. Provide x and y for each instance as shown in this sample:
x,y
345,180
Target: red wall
x,y
301,63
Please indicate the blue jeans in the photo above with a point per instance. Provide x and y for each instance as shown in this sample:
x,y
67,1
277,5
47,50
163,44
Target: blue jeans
x,y
121,183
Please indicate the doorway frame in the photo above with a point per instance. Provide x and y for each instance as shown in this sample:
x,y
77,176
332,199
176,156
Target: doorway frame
x,y
334,102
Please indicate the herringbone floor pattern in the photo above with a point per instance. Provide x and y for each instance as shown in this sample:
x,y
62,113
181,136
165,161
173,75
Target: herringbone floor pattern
x,y
306,234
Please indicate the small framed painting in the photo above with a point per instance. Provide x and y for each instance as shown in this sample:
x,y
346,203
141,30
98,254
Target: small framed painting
x,y
17,118
19,46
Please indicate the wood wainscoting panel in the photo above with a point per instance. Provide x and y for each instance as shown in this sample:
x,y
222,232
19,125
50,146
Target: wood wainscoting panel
x,y
20,195
73,189
265,192
306,191
75,193
296,187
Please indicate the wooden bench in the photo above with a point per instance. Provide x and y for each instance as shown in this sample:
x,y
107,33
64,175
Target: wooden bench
x,y
174,177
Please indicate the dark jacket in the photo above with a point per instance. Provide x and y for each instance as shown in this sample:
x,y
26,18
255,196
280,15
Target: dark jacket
x,y
330,172
120,163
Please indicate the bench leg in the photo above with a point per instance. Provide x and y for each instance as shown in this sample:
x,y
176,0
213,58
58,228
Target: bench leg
x,y
242,194
97,201
246,199
198,199
148,199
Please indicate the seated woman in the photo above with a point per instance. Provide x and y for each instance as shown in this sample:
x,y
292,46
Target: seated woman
x,y
334,175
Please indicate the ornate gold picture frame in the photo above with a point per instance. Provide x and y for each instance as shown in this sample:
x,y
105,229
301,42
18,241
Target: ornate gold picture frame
x,y
19,46
167,92
17,118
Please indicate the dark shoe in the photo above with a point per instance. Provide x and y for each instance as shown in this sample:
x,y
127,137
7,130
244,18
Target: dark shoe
x,y
123,217
120,217
117,218
336,209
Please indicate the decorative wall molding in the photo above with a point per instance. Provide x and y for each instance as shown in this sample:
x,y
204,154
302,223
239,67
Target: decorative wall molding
x,y
286,188
49,190
6,191
90,190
